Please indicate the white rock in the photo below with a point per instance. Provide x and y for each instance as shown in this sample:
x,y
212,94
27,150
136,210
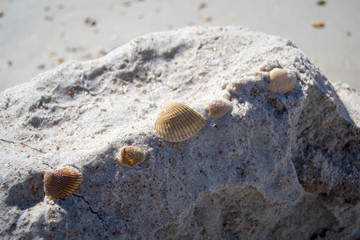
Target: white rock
x,y
277,167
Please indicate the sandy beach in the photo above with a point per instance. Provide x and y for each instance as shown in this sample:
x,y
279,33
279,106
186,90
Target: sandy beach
x,y
38,35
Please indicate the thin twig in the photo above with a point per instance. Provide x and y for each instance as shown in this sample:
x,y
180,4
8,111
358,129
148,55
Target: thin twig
x,y
22,144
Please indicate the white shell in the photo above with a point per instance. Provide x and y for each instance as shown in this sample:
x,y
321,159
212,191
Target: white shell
x,y
218,108
281,80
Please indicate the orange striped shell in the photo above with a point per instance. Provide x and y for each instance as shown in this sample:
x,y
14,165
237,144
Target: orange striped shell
x,y
177,122
281,80
61,182
131,155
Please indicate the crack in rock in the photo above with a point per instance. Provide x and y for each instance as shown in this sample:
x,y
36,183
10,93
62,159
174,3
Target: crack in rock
x,y
93,212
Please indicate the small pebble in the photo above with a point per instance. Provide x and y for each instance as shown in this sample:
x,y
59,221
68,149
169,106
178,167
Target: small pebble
x,y
60,34
90,22
127,4
87,56
41,67
101,51
321,2
207,19
202,5
49,18
318,24
232,18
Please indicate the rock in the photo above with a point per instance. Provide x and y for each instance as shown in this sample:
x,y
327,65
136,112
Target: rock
x,y
279,166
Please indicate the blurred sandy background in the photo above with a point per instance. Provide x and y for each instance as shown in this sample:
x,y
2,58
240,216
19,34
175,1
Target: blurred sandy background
x,y
38,35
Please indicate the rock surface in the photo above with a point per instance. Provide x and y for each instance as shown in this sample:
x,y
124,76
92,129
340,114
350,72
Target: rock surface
x,y
278,166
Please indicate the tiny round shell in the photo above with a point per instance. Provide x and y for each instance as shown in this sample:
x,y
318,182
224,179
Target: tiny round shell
x,y
131,155
177,122
61,182
218,108
281,80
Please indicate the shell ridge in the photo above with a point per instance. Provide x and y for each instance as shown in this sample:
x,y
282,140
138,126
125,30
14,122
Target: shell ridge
x,y
196,123
177,130
177,122
184,118
176,126
187,129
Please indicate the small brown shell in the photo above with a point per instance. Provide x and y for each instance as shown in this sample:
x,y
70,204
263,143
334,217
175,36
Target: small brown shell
x,y
61,182
281,80
318,24
131,155
177,122
218,108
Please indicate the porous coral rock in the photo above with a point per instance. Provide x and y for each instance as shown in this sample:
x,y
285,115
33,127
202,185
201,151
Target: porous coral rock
x,y
280,166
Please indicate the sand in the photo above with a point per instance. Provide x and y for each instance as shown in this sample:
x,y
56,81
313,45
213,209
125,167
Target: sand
x,y
39,35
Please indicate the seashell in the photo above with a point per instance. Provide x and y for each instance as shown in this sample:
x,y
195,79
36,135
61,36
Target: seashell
x,y
177,122
281,80
61,182
218,108
131,155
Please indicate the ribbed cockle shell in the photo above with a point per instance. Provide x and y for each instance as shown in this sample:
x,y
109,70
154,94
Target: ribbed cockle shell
x,y
61,182
177,122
